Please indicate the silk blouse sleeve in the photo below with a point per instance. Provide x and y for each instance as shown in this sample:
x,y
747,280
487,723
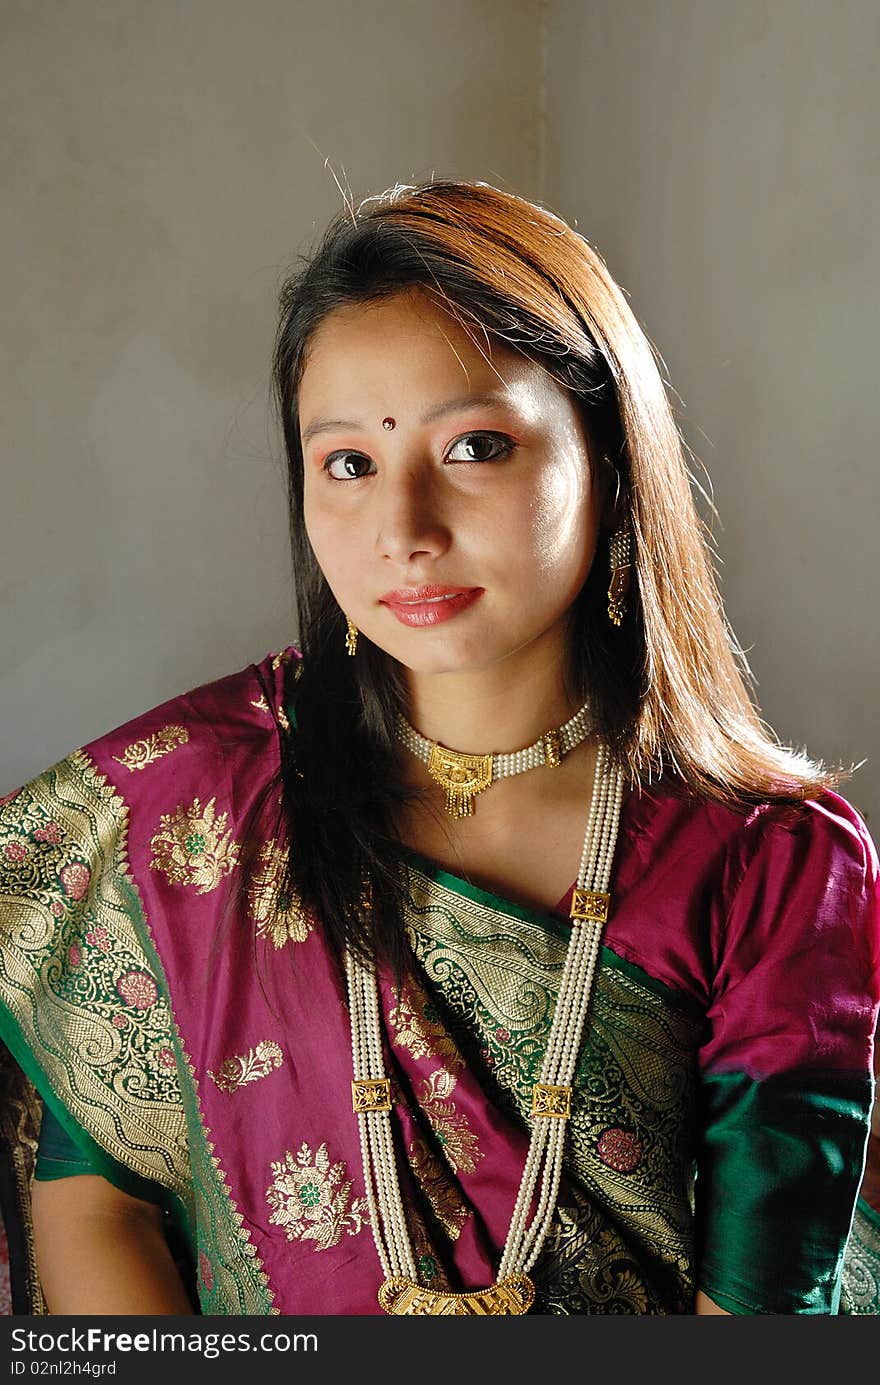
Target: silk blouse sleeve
x,y
60,1155
786,1067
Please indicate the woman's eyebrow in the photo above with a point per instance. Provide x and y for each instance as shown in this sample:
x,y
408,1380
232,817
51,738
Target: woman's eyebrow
x,y
494,398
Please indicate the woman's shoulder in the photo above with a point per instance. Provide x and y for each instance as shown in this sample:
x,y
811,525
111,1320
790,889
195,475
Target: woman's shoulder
x,y
748,867
226,714
825,830
214,722
709,893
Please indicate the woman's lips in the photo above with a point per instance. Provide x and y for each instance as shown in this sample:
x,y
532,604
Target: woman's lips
x,y
430,609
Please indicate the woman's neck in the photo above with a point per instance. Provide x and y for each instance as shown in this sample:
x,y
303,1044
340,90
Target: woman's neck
x,y
503,707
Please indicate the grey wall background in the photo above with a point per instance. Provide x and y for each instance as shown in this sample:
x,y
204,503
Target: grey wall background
x,y
165,164
724,157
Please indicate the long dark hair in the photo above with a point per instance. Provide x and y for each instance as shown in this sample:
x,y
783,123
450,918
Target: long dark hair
x,y
670,687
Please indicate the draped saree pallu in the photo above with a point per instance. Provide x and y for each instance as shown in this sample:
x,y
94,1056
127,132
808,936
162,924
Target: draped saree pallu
x,y
134,940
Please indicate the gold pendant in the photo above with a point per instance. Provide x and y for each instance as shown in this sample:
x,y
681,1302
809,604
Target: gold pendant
x,y
462,776
512,1296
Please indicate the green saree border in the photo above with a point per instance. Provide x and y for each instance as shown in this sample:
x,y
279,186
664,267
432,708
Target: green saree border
x,y
861,1263
547,922
75,792
627,1232
247,1293
127,1180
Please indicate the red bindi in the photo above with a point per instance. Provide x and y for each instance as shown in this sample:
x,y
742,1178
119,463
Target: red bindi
x,y
388,423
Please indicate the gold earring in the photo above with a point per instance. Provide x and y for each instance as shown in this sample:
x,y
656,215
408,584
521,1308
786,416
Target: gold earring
x,y
351,637
620,549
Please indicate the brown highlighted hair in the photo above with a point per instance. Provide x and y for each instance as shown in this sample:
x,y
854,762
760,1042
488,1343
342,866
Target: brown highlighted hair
x,y
670,687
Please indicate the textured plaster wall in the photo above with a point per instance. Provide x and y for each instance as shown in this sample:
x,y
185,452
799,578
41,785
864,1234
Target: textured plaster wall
x,y
724,158
163,165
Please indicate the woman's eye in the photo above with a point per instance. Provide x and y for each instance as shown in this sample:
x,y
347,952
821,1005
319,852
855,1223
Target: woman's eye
x,y
347,466
480,447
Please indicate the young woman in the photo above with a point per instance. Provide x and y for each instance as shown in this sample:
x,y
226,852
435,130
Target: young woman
x,y
485,953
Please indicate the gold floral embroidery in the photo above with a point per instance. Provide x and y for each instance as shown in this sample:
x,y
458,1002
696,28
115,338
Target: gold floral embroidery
x,y
194,847
278,916
262,706
437,1186
421,1031
310,1198
248,1067
282,657
459,1144
142,753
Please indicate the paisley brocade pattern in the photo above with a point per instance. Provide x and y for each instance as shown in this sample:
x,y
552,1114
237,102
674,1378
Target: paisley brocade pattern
x,y
586,1269
78,980
84,989
638,1060
237,1282
861,1273
459,1144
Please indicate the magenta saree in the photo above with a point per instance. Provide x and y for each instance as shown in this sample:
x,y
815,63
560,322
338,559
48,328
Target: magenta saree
x,y
183,1022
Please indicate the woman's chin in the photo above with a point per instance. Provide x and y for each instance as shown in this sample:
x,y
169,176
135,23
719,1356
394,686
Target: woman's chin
x,y
438,656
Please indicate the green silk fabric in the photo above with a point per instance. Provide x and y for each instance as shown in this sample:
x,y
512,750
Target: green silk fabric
x,y
772,1154
59,1156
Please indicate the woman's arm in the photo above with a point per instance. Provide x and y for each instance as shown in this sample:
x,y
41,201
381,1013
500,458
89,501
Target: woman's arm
x,y
786,1081
101,1251
705,1305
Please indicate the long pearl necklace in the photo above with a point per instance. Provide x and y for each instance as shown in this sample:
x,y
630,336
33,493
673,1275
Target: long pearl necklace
x,y
464,776
513,1291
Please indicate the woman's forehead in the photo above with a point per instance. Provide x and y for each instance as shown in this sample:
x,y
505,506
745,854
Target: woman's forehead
x,y
412,317
410,343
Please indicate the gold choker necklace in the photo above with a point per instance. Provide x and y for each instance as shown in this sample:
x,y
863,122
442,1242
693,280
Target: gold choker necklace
x,y
513,1291
464,776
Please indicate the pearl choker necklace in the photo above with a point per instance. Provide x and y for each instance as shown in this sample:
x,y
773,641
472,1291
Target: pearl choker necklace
x,y
513,1291
464,776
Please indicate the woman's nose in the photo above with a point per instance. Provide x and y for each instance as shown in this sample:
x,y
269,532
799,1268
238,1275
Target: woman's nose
x,y
410,522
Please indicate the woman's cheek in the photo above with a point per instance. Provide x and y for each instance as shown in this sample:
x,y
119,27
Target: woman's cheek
x,y
319,527
558,516
342,556
325,551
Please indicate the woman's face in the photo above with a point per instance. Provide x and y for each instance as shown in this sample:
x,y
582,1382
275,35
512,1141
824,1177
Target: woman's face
x,y
460,536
